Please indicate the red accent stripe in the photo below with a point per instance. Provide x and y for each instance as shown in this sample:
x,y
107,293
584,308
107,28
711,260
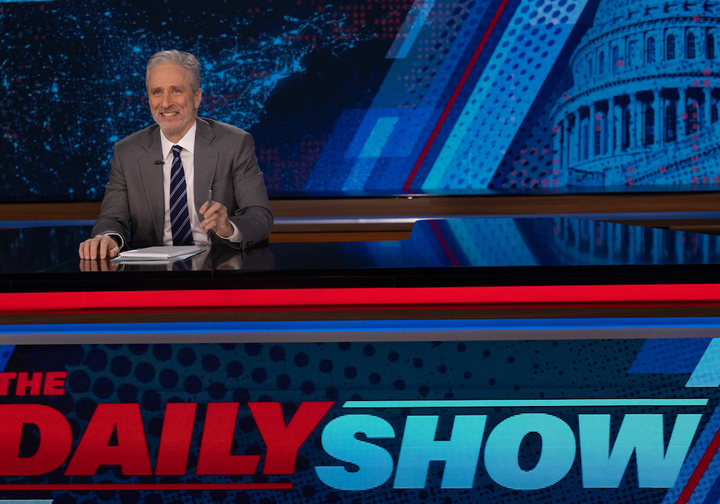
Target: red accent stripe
x,y
454,96
444,244
702,466
362,298
149,486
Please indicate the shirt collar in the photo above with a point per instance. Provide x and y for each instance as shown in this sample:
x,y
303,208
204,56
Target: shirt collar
x,y
187,142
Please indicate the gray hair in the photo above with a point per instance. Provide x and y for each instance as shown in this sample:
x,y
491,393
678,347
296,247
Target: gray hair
x,y
179,58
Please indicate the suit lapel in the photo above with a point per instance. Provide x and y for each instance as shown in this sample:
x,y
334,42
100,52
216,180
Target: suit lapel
x,y
152,178
206,158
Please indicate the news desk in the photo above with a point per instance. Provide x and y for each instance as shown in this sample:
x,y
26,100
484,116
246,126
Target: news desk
x,y
486,360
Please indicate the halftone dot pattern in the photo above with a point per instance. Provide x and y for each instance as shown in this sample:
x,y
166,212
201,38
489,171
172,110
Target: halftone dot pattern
x,y
296,372
670,356
500,100
511,251
531,161
707,488
416,87
5,353
85,53
428,77
656,96
297,75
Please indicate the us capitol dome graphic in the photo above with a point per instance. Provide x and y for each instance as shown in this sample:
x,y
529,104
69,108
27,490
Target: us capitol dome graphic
x,y
643,108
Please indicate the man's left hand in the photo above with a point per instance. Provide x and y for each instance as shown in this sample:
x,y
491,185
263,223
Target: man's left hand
x,y
216,218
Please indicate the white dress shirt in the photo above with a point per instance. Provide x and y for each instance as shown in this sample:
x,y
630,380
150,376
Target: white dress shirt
x,y
187,156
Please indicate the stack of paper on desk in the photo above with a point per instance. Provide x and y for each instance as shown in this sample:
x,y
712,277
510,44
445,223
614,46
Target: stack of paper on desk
x,y
160,253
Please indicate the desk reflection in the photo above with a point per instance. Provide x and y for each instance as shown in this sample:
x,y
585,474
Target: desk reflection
x,y
217,257
475,243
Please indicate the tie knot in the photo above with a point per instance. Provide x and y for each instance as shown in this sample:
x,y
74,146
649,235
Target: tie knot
x,y
176,150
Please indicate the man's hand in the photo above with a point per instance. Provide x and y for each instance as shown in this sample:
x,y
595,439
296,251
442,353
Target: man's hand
x,y
216,218
99,247
86,265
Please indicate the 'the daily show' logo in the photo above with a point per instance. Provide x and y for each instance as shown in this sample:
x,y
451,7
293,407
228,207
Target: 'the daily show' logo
x,y
358,460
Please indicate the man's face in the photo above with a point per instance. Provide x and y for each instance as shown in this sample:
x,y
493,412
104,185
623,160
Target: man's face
x,y
172,103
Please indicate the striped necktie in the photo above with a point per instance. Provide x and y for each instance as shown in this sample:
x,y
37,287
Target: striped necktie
x,y
179,215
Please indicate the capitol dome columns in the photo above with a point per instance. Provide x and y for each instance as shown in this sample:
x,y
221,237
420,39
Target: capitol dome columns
x,y
659,106
636,123
641,94
612,126
559,143
592,134
582,136
564,139
628,122
681,110
632,126
574,154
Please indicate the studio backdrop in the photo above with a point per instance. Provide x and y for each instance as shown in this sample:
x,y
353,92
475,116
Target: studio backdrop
x,y
378,95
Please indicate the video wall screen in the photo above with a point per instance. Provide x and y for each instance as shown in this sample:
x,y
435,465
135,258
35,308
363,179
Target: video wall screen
x,y
591,421
376,95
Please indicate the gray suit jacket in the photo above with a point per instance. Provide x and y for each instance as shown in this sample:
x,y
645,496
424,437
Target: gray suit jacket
x,y
224,161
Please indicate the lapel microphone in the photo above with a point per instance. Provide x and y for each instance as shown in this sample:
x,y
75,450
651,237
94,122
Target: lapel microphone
x,y
159,162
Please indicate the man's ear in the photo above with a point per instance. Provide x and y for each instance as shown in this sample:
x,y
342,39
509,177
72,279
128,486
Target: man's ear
x,y
197,98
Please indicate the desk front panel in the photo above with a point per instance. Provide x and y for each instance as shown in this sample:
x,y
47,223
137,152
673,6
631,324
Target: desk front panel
x,y
508,360
466,410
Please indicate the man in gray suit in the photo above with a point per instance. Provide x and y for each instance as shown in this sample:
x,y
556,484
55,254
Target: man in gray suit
x,y
213,156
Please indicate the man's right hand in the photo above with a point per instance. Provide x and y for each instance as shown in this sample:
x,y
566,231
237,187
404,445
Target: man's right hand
x,y
99,247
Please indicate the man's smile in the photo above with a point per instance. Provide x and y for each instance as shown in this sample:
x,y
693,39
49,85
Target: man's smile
x,y
173,103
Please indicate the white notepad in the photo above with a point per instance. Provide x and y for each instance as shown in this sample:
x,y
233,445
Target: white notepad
x,y
160,253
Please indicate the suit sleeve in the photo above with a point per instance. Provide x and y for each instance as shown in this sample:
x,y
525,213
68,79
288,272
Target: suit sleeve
x,y
253,216
114,212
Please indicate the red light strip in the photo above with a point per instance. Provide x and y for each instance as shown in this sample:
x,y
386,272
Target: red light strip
x,y
361,298
444,244
454,96
148,486
699,471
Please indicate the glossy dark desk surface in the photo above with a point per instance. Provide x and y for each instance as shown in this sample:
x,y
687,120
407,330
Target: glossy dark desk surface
x,y
710,187
455,252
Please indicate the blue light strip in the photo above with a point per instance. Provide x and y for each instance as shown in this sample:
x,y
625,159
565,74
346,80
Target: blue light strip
x,y
414,21
526,403
364,326
407,219
45,223
26,501
371,151
484,132
5,354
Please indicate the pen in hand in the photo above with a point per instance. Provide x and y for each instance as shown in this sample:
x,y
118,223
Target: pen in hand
x,y
209,204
